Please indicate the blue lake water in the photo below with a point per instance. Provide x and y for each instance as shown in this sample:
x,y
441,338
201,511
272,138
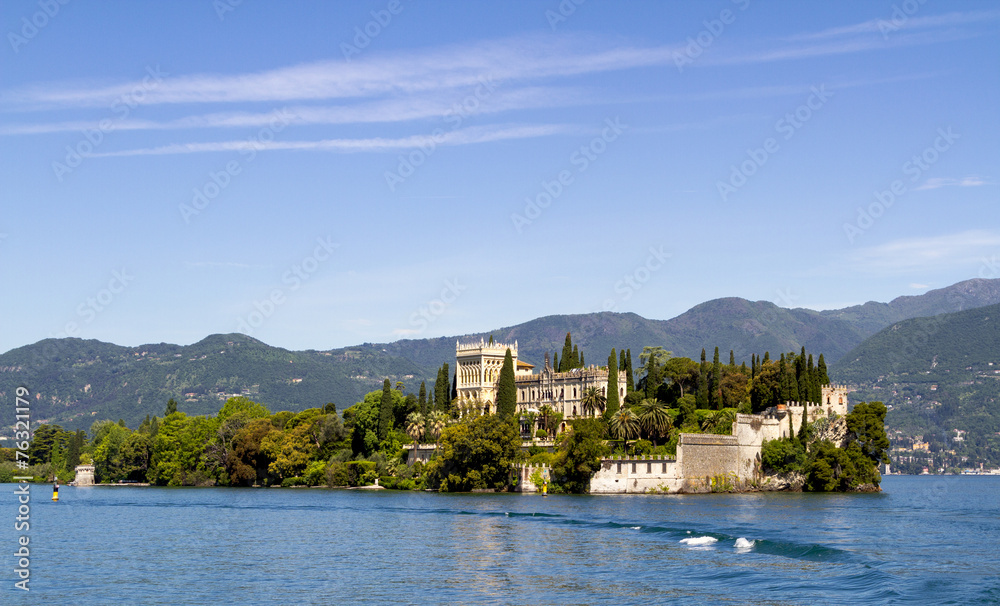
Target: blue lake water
x,y
927,540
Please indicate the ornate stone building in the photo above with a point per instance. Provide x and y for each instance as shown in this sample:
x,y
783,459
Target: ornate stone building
x,y
478,366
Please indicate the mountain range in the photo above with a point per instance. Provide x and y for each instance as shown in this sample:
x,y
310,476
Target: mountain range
x,y
75,381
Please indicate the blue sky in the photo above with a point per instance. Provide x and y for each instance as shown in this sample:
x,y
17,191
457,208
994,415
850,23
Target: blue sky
x,y
324,174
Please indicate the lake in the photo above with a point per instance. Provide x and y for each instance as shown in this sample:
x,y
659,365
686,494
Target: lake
x,y
922,540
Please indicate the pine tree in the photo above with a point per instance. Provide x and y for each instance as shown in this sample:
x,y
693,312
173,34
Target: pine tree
x,y
629,375
385,412
507,389
824,379
613,400
422,398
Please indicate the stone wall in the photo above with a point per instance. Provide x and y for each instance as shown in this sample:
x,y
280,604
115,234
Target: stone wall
x,y
84,475
637,475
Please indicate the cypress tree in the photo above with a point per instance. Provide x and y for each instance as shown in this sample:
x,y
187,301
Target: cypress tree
x,y
805,423
767,357
422,398
732,359
576,359
582,363
811,380
555,362
621,359
785,389
491,339
507,389
715,395
454,387
629,375
802,376
385,411
702,395
567,354
613,401
441,389
824,379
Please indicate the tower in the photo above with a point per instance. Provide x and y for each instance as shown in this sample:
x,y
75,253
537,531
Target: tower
x,y
478,366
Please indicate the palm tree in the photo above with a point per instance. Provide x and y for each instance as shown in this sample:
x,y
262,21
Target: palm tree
x,y
545,413
593,400
718,420
436,422
654,418
415,426
624,425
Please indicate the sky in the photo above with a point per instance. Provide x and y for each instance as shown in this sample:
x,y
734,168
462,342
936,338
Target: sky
x,y
323,174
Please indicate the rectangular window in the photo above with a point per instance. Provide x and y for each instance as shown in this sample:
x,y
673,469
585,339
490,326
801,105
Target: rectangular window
x,y
619,468
633,467
649,468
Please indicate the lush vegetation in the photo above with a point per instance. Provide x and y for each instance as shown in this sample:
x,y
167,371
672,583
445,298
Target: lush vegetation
x,y
826,466
940,379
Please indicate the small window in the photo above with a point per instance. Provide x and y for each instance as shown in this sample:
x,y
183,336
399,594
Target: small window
x,y
633,467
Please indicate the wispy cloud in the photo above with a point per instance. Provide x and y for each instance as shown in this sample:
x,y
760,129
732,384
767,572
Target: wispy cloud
x,y
938,182
466,136
908,254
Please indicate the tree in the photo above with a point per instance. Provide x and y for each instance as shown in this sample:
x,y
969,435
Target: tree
x,y
442,388
715,383
654,417
477,454
614,402
171,407
629,375
686,410
422,398
683,372
567,355
593,401
415,426
436,422
507,389
867,424
824,379
555,362
579,455
244,407
385,412
702,394
624,425
732,359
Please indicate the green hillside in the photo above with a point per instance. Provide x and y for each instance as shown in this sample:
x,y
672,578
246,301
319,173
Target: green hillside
x,y
75,382
937,375
79,381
